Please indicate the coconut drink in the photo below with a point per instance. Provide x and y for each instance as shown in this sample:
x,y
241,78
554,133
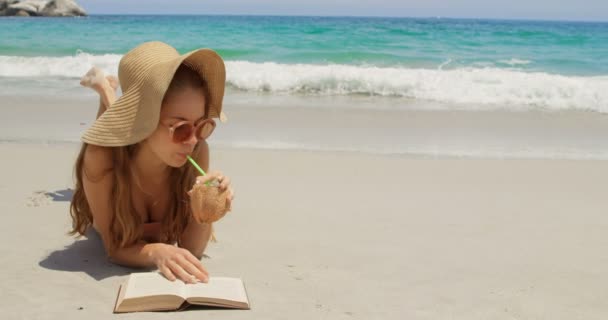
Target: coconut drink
x,y
207,202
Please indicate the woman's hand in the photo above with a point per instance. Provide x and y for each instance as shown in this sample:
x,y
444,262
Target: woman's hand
x,y
211,203
225,186
178,263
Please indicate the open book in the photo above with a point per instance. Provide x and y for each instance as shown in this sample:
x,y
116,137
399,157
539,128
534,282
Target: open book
x,y
151,291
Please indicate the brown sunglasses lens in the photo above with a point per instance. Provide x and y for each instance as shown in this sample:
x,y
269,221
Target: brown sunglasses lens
x,y
205,130
182,132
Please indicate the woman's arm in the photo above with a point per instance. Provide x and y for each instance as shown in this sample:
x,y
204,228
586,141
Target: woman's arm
x,y
138,255
196,235
172,261
97,184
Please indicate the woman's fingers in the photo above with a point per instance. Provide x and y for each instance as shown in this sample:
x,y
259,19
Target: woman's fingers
x,y
229,198
187,268
167,273
224,182
193,272
208,177
179,271
197,268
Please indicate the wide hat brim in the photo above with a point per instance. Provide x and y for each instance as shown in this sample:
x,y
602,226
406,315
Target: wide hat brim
x,y
135,115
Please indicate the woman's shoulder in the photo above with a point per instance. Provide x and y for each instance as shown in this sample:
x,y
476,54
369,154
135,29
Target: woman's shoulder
x,y
97,161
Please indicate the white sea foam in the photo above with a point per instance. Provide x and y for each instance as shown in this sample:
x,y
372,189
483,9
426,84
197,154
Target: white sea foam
x,y
67,66
469,88
515,62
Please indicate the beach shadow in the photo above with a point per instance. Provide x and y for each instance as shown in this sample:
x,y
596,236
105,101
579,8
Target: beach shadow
x,y
193,307
86,255
61,195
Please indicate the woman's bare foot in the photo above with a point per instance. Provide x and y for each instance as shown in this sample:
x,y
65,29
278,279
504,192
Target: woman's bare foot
x,y
104,85
93,79
113,81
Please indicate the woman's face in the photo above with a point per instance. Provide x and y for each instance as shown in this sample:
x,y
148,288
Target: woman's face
x,y
185,105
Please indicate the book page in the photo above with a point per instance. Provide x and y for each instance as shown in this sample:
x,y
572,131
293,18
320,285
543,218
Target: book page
x,y
218,288
143,284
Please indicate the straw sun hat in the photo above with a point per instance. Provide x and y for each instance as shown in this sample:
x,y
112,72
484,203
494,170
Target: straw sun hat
x,y
145,73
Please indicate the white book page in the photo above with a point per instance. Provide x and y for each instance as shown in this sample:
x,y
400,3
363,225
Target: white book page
x,y
143,284
218,288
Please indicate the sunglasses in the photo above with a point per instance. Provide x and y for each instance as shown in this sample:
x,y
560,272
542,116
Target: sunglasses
x,y
183,130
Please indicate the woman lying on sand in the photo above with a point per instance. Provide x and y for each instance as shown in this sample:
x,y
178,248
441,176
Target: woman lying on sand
x,y
134,184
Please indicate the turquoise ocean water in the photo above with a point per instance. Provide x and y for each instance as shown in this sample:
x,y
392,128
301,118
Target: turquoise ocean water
x,y
389,63
450,61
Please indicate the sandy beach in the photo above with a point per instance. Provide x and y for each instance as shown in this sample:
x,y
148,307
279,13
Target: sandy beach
x,y
450,165
328,235
395,127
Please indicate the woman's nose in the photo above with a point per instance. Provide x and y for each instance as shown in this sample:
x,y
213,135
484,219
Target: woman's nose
x,y
192,140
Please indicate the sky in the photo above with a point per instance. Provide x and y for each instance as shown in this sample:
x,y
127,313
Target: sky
x,y
583,10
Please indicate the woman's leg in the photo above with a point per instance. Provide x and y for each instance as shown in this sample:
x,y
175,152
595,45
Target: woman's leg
x,y
105,86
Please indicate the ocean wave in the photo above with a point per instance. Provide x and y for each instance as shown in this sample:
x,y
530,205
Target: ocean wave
x,y
515,62
66,66
471,87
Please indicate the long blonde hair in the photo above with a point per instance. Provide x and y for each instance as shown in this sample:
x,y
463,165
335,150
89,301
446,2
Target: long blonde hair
x,y
125,223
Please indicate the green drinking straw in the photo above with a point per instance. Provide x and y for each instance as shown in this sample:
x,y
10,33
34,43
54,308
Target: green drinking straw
x,y
198,168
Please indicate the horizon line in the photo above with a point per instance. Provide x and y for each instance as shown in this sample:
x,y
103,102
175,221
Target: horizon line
x,y
352,16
